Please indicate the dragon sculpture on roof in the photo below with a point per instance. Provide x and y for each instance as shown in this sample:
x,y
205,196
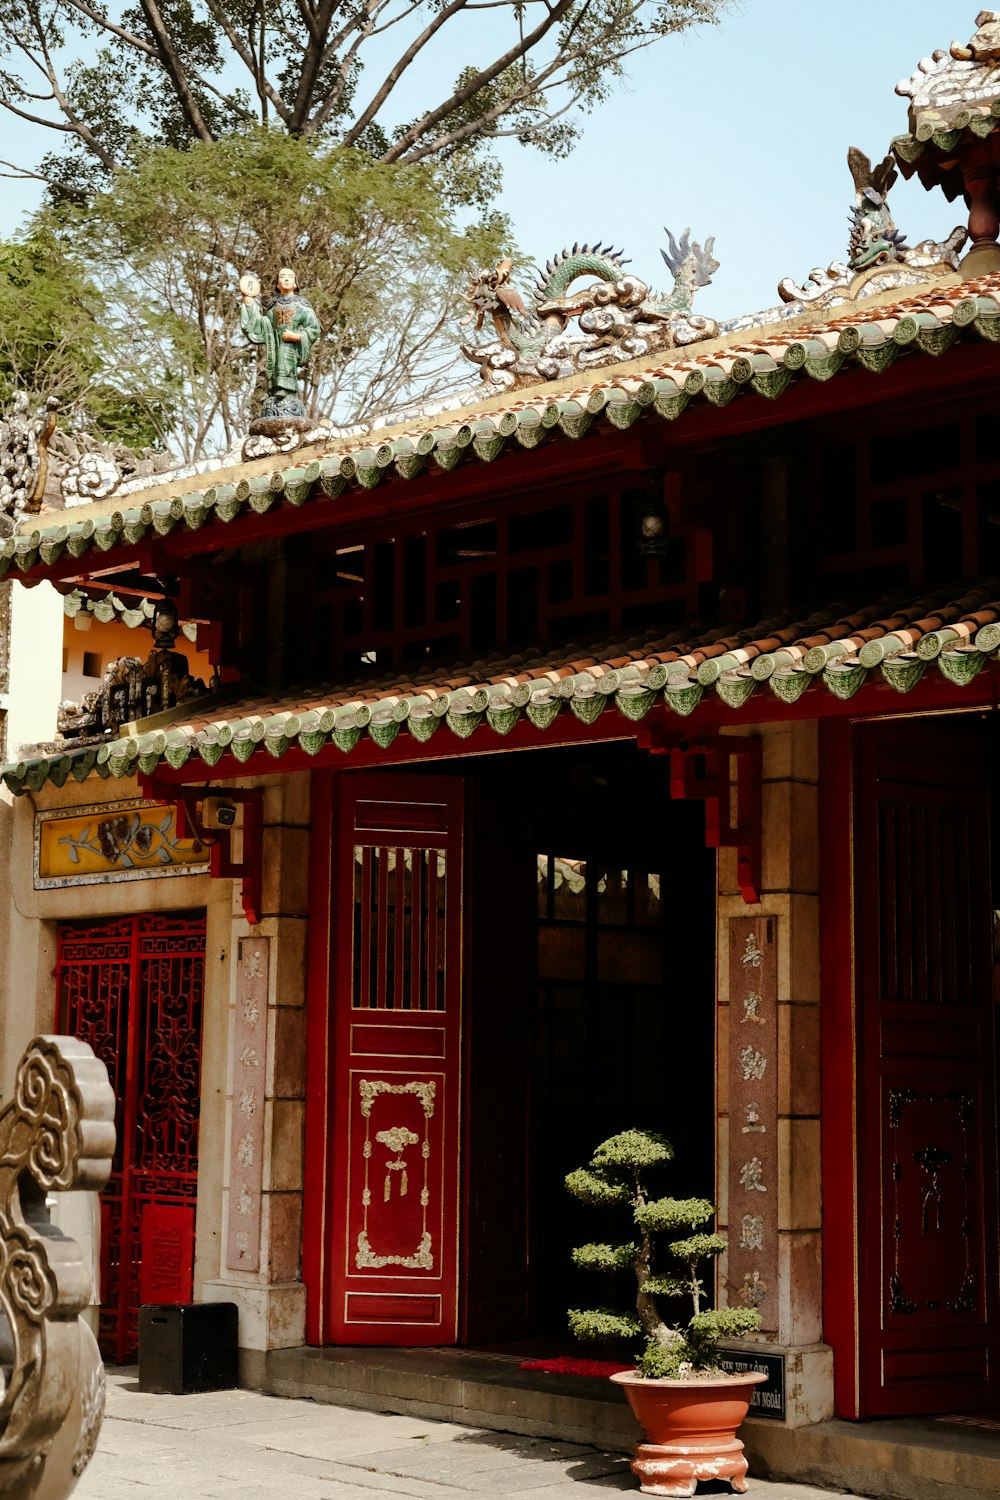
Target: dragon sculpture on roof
x,y
617,317
879,257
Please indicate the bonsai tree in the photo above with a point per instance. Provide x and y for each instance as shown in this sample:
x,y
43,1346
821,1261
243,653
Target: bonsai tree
x,y
618,1174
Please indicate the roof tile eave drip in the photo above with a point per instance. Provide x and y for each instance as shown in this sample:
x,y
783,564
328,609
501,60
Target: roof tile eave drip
x,y
929,320
953,633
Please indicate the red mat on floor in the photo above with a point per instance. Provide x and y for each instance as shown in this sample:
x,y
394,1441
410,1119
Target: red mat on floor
x,y
597,1369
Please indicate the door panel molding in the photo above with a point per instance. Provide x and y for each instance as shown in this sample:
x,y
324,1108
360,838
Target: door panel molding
x,y
396,1008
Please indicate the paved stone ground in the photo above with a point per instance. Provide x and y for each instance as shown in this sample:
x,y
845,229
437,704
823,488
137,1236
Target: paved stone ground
x,y
239,1445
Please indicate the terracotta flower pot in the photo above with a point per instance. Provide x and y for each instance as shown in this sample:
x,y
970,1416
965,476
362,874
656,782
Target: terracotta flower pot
x,y
690,1426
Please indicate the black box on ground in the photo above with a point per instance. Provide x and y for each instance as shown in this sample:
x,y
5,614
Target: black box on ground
x,y
188,1347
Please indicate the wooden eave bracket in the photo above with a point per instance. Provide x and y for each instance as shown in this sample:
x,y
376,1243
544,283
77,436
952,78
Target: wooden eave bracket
x,y
188,801
724,772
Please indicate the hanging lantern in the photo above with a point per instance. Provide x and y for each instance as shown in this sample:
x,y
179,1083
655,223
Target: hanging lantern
x,y
654,527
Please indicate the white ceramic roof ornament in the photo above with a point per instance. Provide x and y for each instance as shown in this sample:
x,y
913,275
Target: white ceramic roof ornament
x,y
951,84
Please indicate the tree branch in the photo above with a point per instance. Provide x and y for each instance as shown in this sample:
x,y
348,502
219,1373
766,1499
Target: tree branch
x,y
318,23
23,174
75,125
175,71
477,82
106,24
396,72
263,85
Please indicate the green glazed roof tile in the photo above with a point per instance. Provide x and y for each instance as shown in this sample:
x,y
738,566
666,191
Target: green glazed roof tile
x,y
631,677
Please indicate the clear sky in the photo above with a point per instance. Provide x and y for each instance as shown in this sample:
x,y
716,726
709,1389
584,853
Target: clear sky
x,y
739,130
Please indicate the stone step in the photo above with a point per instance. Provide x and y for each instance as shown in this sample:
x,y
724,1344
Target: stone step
x,y
911,1459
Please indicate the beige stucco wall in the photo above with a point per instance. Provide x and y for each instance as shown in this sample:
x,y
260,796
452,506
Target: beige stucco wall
x,y
28,919
272,1300
36,639
790,892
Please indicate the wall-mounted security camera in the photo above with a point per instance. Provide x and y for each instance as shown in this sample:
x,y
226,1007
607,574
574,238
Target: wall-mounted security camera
x,y
217,812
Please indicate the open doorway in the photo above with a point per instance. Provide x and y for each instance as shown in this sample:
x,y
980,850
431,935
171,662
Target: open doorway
x,y
590,984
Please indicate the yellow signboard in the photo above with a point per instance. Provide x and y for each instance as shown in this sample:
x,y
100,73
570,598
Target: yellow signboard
x,y
110,842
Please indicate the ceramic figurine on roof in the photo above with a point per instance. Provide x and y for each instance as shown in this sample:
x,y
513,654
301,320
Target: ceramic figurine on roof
x,y
874,236
879,257
953,142
954,89
288,328
617,318
24,438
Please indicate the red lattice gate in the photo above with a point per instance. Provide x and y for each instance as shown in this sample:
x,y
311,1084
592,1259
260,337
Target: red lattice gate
x,y
133,988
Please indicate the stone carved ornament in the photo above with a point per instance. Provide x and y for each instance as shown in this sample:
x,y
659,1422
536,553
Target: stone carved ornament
x,y
879,257
56,1134
616,318
945,87
132,688
24,438
92,470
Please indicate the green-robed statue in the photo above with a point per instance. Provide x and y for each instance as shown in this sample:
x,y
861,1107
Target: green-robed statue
x,y
288,329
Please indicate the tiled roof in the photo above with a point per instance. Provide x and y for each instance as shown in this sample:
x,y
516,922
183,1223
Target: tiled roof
x,y
953,632
871,338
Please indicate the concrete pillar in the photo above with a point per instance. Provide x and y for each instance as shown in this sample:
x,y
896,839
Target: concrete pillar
x,y
264,1197
790,893
35,666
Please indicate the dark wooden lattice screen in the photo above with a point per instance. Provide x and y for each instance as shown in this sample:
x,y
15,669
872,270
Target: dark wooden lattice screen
x,y
133,988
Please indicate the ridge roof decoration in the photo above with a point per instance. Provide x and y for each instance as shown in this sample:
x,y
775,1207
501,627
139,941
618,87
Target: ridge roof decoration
x,y
896,640
928,321
617,318
954,93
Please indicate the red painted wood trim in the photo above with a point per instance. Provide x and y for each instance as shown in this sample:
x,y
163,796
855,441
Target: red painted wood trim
x,y
852,388
438,491
319,1044
933,694
838,1061
649,441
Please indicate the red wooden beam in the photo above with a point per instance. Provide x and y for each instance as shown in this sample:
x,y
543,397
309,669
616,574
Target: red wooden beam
x,y
934,694
651,441
709,768
218,839
839,1064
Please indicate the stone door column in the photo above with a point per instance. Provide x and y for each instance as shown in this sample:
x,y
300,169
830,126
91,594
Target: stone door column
x,y
768,1078
261,1241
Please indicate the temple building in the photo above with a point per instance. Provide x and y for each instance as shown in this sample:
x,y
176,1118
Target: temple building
x,y
614,747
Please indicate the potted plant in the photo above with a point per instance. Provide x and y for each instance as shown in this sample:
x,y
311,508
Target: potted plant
x,y
688,1407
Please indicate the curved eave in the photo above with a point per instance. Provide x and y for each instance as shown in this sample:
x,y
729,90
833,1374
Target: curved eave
x,y
951,658
929,149
924,324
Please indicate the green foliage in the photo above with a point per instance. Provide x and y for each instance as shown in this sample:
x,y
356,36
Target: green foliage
x,y
600,1324
633,1150
698,1247
666,1214
617,1174
662,1361
378,249
665,1285
605,1257
726,1322
594,1187
112,81
56,340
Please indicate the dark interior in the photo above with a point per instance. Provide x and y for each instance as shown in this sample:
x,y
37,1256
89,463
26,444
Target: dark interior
x,y
583,998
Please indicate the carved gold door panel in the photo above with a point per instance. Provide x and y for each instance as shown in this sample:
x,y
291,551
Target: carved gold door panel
x,y
397,995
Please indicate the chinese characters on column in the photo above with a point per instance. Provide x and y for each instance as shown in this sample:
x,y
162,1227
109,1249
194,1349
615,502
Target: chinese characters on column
x,y
753,1108
247,1131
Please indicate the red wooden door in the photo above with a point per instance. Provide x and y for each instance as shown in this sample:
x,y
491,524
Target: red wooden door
x,y
928,1329
132,987
397,995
